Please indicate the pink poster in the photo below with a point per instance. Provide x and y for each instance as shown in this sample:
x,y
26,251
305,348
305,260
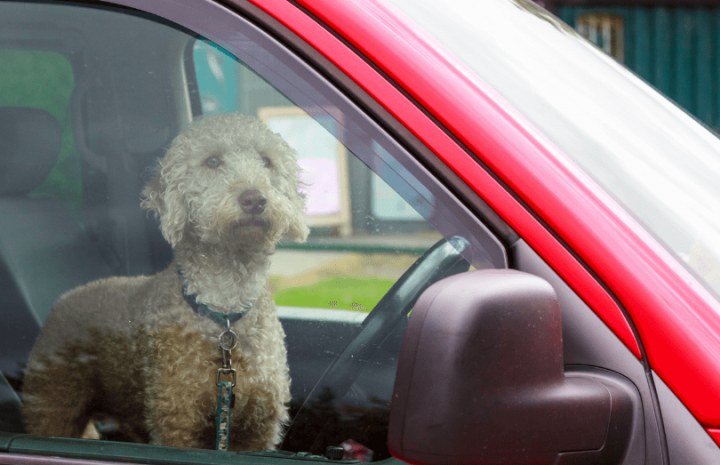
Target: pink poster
x,y
320,183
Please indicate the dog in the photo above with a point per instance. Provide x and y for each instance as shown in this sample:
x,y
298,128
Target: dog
x,y
133,348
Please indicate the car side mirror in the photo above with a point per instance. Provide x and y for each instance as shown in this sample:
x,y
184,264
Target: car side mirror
x,y
481,380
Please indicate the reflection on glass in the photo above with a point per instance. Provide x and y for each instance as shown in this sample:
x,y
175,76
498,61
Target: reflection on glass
x,y
654,158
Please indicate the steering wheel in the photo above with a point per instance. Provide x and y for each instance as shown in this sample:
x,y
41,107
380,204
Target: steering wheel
x,y
443,259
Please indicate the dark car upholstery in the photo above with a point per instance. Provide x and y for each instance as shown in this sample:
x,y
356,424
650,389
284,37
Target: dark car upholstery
x,y
44,250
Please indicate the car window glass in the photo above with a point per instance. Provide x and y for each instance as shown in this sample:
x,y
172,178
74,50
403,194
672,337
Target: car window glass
x,y
651,155
132,84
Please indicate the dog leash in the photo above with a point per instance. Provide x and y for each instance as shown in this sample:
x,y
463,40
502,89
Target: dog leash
x,y
226,399
227,341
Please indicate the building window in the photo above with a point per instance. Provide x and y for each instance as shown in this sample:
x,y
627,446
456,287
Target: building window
x,y
605,31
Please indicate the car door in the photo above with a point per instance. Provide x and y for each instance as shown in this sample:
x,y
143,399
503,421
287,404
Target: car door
x,y
506,154
518,126
386,195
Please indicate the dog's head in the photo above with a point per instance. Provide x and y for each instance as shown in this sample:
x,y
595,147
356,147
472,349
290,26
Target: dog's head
x,y
228,180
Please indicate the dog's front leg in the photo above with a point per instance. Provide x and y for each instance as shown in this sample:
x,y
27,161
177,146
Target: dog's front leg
x,y
57,397
180,389
258,423
176,424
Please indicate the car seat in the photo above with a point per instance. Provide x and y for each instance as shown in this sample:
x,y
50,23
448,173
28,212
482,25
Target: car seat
x,y
44,250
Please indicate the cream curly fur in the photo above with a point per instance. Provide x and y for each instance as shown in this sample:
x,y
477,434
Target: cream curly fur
x,y
133,349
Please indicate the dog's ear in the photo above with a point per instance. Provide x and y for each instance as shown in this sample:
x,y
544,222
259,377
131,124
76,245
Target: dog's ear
x,y
168,206
298,229
151,197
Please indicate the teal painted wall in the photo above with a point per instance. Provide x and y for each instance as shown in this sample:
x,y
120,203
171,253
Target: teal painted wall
x,y
677,50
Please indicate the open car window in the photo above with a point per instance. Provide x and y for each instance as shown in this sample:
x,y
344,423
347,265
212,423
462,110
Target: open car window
x,y
91,98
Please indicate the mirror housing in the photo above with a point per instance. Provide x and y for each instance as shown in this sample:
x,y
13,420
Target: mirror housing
x,y
481,380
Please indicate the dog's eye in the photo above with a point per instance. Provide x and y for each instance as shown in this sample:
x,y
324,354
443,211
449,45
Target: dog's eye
x,y
267,162
213,161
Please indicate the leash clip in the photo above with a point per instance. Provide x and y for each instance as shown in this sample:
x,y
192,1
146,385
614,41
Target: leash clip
x,y
227,368
227,340
226,372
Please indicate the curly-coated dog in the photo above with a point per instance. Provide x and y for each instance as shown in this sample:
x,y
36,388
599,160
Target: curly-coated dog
x,y
133,348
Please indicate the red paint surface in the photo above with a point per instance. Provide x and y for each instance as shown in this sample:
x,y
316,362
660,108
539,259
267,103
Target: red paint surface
x,y
715,434
677,319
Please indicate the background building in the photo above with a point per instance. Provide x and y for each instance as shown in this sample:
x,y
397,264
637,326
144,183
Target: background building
x,y
673,45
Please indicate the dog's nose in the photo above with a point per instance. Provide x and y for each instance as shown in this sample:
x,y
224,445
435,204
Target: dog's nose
x,y
252,202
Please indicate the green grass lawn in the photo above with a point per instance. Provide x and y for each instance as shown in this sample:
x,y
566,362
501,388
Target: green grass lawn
x,y
343,293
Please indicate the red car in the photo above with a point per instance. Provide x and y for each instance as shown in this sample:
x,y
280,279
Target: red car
x,y
587,204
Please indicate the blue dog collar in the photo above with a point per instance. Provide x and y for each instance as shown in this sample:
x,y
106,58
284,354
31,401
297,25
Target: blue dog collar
x,y
222,319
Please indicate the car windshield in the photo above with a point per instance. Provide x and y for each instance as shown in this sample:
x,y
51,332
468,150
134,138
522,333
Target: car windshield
x,y
655,159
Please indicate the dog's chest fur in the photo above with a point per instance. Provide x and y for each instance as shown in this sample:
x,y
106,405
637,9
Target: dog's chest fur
x,y
143,345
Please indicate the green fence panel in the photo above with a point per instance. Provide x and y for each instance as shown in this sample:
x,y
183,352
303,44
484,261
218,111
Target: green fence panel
x,y
676,49
704,66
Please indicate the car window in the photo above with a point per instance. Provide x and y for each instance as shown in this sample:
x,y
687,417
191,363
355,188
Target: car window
x,y
161,188
656,160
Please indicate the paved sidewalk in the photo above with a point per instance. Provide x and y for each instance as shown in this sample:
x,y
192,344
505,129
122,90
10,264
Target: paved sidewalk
x,y
289,263
303,267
